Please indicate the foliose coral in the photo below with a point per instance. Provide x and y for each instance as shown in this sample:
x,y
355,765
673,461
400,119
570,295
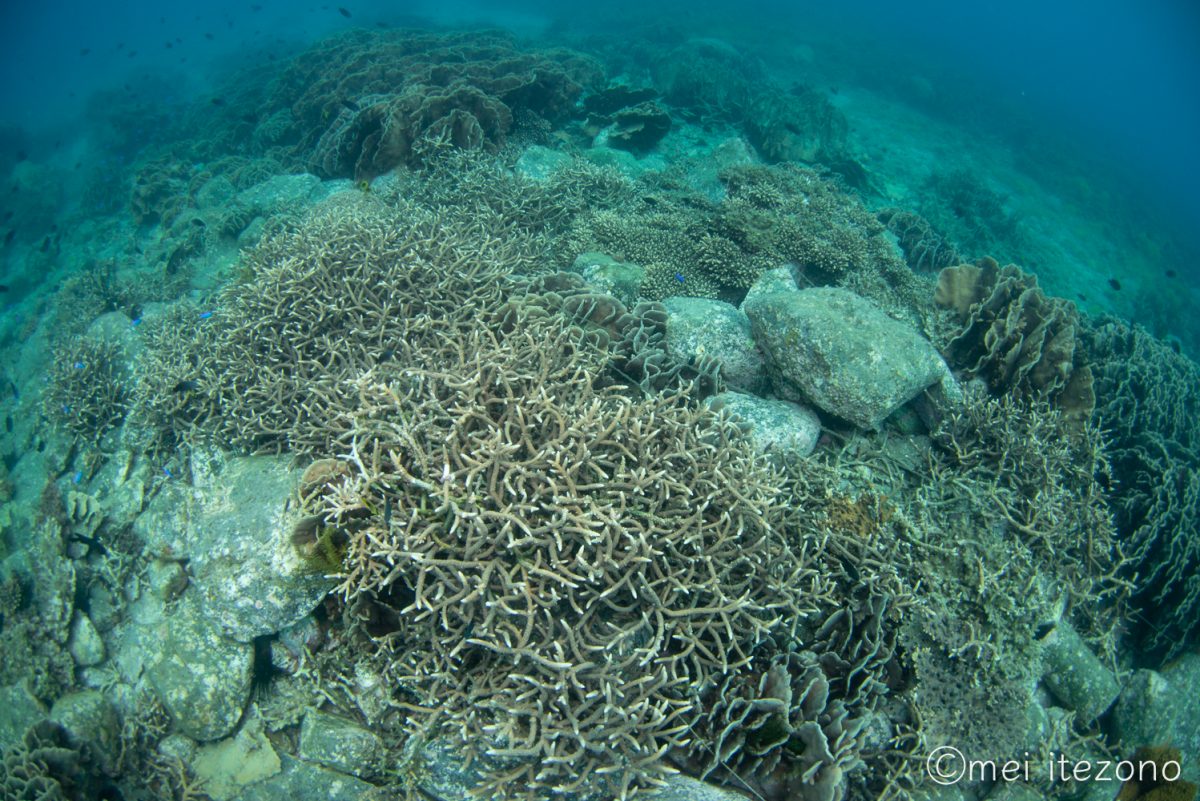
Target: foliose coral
x,y
1015,337
363,101
1150,401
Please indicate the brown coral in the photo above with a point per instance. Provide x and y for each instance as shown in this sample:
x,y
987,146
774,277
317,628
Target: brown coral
x,y
1015,337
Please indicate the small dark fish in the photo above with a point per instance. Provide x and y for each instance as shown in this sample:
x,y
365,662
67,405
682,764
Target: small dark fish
x,y
218,101
132,53
199,222
344,12
271,56
178,40
8,215
84,51
22,155
208,36
388,354
1115,284
256,8
4,287
162,20
8,238
120,45
387,512
1170,273
187,385
1082,296
349,105
45,245
8,423
92,542
168,45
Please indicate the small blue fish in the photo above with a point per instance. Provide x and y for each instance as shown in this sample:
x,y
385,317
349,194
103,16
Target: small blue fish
x,y
205,315
66,408
75,479
79,365
167,471
136,322
679,277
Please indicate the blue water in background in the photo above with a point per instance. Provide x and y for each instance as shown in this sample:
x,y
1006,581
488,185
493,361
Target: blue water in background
x,y
1115,81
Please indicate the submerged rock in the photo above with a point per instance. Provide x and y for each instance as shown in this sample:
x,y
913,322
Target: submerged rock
x,y
202,677
701,328
775,426
1075,675
339,744
1159,708
843,354
234,528
620,279
227,767
303,780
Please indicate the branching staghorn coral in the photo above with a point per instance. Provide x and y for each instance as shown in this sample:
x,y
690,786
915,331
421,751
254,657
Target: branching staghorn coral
x,y
87,390
572,568
357,284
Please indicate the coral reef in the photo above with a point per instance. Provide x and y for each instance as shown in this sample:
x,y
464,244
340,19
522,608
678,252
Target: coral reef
x,y
970,214
87,390
355,285
633,340
1150,400
45,766
1015,337
693,247
362,102
558,608
925,250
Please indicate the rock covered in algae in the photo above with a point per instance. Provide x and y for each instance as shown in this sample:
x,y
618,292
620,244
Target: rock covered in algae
x,y
842,353
202,677
699,328
1157,707
775,426
235,528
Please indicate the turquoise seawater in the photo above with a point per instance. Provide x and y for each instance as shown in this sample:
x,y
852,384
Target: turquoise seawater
x,y
676,400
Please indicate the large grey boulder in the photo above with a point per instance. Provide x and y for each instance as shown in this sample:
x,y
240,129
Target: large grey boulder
x,y
774,426
701,328
842,353
202,677
622,280
1159,707
234,528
